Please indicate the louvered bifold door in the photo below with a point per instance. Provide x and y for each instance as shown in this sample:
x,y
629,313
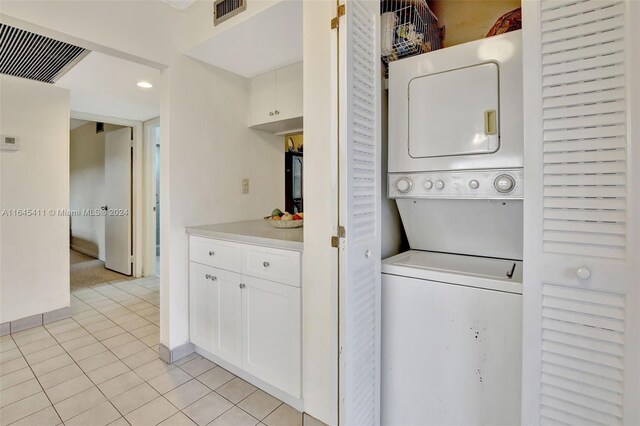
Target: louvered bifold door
x,y
581,258
359,259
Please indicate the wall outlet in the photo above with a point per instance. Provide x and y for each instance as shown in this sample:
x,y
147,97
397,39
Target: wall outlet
x,y
245,185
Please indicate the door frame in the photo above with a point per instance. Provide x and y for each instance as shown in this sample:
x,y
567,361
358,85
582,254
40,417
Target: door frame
x,y
137,175
149,216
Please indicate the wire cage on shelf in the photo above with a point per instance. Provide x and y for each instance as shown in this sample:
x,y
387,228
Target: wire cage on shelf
x,y
408,28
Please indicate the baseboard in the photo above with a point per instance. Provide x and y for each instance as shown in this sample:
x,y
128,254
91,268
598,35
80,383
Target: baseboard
x,y
85,251
34,321
296,403
172,355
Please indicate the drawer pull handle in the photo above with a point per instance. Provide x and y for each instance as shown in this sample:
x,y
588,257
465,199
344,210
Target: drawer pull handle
x,y
265,264
211,253
242,285
211,277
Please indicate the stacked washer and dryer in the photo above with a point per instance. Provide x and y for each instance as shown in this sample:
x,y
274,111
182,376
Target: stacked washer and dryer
x,y
452,304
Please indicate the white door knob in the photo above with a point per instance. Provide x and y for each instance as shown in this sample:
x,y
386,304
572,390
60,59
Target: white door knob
x,y
583,273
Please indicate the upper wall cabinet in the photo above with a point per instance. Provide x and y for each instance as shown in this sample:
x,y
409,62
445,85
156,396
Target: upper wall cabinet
x,y
276,100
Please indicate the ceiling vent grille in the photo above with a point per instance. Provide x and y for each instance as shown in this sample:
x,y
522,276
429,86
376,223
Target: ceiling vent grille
x,y
225,9
29,55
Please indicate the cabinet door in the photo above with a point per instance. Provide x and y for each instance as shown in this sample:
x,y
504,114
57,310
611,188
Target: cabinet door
x,y
263,99
227,321
201,306
271,333
288,98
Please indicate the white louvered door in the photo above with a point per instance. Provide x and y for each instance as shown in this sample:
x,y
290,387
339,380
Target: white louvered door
x,y
580,362
359,198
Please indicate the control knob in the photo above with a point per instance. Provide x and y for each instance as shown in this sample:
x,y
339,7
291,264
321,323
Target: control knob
x,y
404,185
474,184
504,183
428,184
439,184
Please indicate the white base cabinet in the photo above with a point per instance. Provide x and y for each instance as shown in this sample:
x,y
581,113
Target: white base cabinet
x,y
271,333
245,308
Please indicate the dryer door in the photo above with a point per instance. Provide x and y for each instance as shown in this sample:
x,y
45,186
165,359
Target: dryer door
x,y
455,112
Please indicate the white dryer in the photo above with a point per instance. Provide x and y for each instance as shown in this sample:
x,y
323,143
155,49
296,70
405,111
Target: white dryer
x,y
458,108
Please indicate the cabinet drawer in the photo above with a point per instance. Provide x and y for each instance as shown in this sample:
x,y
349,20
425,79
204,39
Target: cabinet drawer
x,y
272,264
220,254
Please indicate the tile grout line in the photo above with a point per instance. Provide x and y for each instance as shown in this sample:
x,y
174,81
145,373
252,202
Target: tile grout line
x,y
130,369
39,383
76,363
78,325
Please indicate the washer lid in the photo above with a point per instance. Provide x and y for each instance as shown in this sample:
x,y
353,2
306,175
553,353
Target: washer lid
x,y
473,271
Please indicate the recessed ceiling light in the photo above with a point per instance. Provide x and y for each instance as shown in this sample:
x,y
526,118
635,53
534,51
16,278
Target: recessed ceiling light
x,y
145,84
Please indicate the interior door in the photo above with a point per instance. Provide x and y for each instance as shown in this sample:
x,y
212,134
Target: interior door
x,y
582,219
117,177
359,96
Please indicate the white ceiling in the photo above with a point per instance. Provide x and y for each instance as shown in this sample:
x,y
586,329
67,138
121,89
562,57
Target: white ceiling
x,y
269,40
180,4
105,85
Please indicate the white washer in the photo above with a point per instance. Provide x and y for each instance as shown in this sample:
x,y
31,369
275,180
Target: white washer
x,y
451,346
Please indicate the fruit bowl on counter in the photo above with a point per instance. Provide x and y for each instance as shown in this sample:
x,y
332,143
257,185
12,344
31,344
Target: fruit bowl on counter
x,y
285,220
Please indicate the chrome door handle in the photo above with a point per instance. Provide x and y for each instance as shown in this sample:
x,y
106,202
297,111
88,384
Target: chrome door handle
x,y
242,285
271,113
277,112
211,253
265,264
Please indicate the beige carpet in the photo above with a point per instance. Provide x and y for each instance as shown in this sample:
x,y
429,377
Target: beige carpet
x,y
87,271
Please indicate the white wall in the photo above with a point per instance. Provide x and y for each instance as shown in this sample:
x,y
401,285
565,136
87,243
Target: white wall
x,y
196,22
206,149
393,236
34,268
87,187
136,30
319,292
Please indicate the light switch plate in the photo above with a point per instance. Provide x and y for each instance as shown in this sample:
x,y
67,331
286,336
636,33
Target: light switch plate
x,y
9,143
245,185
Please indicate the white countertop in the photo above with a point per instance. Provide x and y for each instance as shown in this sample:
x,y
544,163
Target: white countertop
x,y
252,232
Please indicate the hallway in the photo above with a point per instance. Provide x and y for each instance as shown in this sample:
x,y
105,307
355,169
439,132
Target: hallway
x,y
87,271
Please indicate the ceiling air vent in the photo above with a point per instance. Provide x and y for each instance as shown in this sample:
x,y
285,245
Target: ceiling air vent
x,y
225,9
29,55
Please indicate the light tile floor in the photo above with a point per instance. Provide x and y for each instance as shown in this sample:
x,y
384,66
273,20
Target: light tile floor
x,y
101,367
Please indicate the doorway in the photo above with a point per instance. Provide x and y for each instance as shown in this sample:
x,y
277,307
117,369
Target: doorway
x,y
152,197
100,202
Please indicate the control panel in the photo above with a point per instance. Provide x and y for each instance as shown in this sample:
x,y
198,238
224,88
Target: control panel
x,y
481,184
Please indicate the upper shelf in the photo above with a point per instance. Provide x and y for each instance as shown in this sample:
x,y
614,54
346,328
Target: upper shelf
x,y
264,42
